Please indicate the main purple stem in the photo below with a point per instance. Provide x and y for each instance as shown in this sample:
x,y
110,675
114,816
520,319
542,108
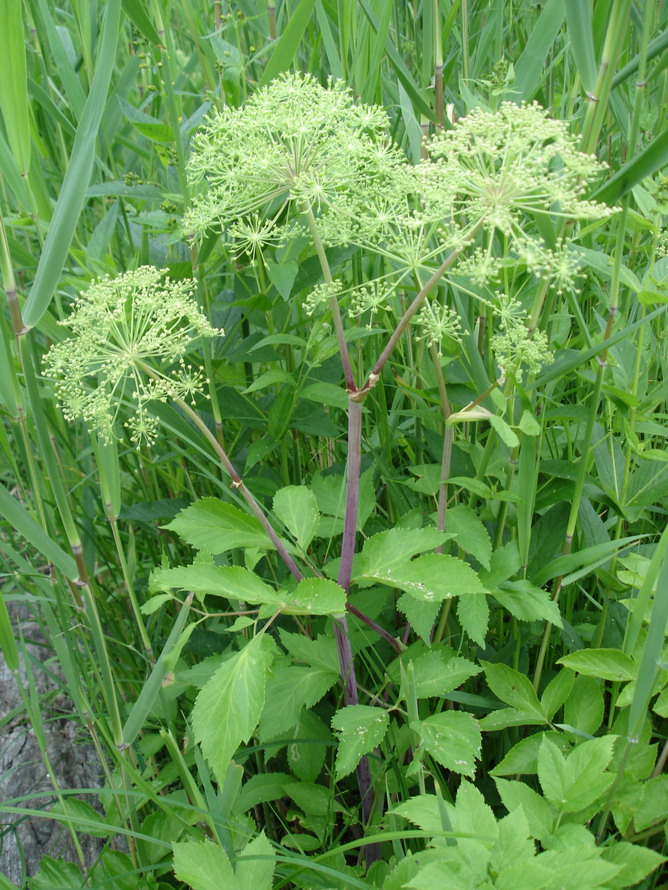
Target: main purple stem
x,y
352,493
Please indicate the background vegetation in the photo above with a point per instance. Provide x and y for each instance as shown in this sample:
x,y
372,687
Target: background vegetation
x,y
559,506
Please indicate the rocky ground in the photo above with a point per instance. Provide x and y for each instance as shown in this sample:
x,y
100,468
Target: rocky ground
x,y
23,773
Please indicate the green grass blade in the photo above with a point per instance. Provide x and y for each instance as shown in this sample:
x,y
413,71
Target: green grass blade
x,y
656,634
151,688
7,641
652,158
328,40
288,42
19,518
578,20
134,10
68,76
10,173
77,176
400,69
532,61
375,63
658,45
13,82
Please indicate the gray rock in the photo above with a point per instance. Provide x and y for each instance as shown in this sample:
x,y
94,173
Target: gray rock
x,y
24,841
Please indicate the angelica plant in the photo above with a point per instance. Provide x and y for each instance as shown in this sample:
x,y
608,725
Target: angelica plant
x,y
304,164
302,159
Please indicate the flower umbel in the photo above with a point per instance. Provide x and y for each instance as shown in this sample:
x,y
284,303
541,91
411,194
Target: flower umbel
x,y
123,327
438,323
294,142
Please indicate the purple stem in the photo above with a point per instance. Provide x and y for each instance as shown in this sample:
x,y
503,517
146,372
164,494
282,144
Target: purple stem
x,y
352,493
240,485
374,376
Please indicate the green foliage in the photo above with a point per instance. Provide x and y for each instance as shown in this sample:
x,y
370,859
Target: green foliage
x,y
399,533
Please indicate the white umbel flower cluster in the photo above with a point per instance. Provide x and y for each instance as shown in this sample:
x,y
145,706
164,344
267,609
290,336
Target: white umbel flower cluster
x,y
127,330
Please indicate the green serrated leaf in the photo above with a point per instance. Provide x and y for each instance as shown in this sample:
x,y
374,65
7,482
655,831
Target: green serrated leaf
x,y
556,692
606,664
421,616
391,548
228,708
518,794
297,508
435,674
290,691
361,728
470,533
255,865
584,708
513,688
315,596
473,615
431,578
527,602
452,738
204,866
231,582
212,525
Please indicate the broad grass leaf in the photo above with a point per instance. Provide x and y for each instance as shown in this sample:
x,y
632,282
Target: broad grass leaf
x,y
212,525
579,28
297,508
22,522
361,728
530,65
453,739
287,44
605,664
256,864
150,689
13,83
8,645
77,176
228,708
204,866
652,158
